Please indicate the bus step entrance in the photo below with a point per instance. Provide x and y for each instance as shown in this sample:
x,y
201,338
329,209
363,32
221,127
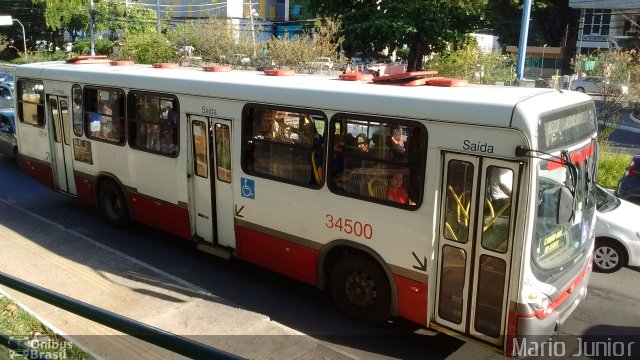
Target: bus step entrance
x,y
216,250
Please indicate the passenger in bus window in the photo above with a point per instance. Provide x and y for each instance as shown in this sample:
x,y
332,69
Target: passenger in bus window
x,y
317,157
94,124
106,121
397,144
338,176
266,125
363,143
396,191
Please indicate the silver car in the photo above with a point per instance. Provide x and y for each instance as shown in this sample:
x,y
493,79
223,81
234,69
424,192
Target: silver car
x,y
596,85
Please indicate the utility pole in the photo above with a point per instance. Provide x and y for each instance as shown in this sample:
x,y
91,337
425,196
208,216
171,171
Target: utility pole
x,y
522,46
92,41
158,15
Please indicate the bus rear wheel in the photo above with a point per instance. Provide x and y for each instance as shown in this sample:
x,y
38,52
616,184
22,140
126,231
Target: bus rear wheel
x,y
113,205
360,289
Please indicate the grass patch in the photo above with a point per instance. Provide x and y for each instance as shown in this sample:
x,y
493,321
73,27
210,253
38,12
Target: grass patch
x,y
611,166
22,326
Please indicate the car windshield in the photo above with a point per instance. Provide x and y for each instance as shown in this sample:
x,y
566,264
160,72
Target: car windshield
x,y
605,201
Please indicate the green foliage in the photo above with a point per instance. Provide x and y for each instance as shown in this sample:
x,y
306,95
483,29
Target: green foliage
x,y
102,46
612,165
20,325
214,39
41,56
146,48
473,65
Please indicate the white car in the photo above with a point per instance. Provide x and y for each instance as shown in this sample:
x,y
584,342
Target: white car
x,y
322,63
617,233
595,85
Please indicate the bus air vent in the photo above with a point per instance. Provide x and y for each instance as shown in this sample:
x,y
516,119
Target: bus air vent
x,y
166,65
279,72
89,59
357,76
217,68
122,63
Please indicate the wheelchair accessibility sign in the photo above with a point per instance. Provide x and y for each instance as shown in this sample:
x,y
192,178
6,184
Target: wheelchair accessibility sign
x,y
247,188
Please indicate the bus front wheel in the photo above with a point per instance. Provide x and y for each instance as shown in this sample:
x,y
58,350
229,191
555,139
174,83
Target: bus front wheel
x,y
360,288
113,204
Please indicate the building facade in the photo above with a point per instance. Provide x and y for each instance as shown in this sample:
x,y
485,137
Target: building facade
x,y
606,24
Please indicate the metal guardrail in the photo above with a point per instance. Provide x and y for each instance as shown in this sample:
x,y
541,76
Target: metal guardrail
x,y
175,343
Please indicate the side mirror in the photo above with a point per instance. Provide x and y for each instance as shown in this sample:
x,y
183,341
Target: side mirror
x,y
564,208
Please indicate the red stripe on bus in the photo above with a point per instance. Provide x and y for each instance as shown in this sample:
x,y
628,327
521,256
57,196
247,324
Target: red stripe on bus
x,y
162,215
412,299
555,303
86,190
281,256
42,172
512,329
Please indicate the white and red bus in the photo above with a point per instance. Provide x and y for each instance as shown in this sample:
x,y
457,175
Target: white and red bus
x,y
466,209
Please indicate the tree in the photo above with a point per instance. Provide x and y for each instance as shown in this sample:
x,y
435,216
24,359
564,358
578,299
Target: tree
x,y
426,26
470,63
550,21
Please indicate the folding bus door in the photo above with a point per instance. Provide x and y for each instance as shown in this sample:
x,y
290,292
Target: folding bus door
x,y
212,192
475,246
61,153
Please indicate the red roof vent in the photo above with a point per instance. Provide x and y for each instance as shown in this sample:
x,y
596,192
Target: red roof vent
x,y
166,65
279,72
446,82
122,62
89,59
357,76
412,78
217,68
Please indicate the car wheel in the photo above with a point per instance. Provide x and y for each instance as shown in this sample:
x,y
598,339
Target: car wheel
x,y
360,289
580,89
608,256
113,205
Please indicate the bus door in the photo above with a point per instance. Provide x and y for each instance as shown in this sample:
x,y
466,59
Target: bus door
x,y
475,245
212,190
60,139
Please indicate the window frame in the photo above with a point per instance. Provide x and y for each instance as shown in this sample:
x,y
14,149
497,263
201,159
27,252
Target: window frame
x,y
78,126
419,163
132,121
247,123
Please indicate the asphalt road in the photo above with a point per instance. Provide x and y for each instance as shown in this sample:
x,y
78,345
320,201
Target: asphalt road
x,y
610,307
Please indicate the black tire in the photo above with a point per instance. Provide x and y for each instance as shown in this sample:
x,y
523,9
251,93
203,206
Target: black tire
x,y
634,200
608,256
580,89
113,205
360,288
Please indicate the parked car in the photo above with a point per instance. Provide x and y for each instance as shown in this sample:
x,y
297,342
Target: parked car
x,y
8,139
629,185
617,232
322,63
596,85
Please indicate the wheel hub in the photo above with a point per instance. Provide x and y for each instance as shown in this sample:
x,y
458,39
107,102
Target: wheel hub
x,y
606,257
360,289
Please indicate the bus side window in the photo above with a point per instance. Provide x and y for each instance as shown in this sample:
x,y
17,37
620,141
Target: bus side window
x,y
377,159
285,144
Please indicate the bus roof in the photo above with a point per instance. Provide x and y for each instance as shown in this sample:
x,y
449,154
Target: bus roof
x,y
474,104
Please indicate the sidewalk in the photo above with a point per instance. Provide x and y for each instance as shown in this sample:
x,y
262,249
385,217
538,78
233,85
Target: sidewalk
x,y
39,251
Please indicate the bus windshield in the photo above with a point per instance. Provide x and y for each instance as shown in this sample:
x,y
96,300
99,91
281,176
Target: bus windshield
x,y
557,243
